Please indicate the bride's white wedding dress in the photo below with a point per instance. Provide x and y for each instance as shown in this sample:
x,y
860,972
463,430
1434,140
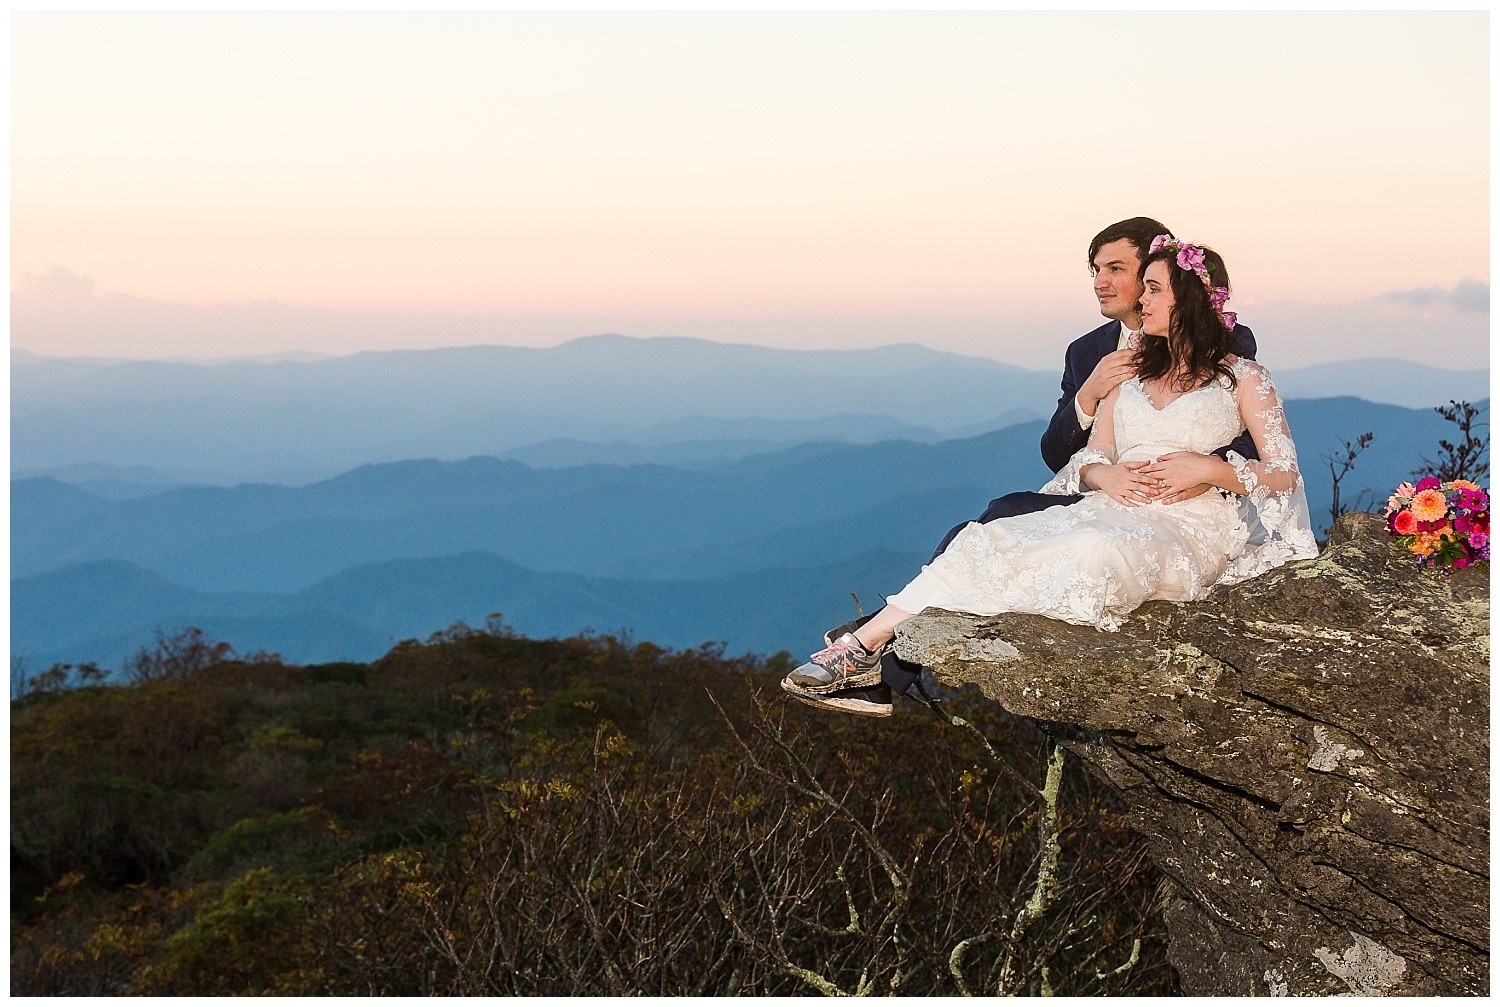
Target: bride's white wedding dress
x,y
1095,561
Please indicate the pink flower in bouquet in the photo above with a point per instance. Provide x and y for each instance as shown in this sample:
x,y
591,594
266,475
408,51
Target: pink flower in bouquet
x,y
1428,483
1429,504
1400,498
1480,542
1471,500
1404,522
1460,561
1463,524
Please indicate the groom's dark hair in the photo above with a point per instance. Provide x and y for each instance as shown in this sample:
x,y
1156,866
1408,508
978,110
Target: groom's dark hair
x,y
1139,231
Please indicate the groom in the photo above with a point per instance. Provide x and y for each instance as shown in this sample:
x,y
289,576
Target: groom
x,y
1095,364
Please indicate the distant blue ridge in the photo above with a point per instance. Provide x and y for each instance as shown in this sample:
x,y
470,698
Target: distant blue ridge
x,y
298,422
760,552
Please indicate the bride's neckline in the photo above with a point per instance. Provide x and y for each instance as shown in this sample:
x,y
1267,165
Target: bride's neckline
x,y
1141,387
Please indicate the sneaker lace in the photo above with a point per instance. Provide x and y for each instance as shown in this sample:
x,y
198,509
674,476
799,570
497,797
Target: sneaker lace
x,y
831,657
841,655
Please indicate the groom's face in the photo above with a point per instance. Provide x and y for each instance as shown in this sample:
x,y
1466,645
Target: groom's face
x,y
1117,279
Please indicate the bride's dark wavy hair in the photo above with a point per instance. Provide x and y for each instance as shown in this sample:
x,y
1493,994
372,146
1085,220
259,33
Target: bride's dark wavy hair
x,y
1197,341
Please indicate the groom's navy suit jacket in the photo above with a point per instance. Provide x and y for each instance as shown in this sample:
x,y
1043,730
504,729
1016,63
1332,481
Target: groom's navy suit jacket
x,y
1064,436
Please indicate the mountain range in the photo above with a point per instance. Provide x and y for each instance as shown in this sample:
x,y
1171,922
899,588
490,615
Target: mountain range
x,y
600,399
295,421
105,611
618,521
760,552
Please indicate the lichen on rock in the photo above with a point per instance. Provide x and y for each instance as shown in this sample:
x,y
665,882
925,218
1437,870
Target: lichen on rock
x,y
1367,968
1307,754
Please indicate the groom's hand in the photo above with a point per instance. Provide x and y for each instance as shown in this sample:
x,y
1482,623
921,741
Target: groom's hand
x,y
1107,375
1187,494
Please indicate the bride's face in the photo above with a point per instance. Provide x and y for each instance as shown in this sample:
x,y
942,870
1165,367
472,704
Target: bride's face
x,y
1156,301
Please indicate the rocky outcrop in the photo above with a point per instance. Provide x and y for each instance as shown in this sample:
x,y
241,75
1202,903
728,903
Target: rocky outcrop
x,y
1307,754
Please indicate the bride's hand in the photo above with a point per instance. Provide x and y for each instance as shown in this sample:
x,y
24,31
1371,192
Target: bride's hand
x,y
1179,475
1123,484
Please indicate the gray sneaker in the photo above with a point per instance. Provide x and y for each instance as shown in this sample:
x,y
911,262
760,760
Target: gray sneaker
x,y
868,701
844,664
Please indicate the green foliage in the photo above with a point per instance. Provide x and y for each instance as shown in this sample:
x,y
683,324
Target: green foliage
x,y
271,838
484,814
246,941
583,708
343,672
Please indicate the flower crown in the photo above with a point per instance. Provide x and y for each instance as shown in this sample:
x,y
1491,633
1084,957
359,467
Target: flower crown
x,y
1190,257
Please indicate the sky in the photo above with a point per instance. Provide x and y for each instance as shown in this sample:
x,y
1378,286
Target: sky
x,y
216,185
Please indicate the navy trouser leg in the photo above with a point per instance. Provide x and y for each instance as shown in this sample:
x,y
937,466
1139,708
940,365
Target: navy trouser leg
x,y
899,674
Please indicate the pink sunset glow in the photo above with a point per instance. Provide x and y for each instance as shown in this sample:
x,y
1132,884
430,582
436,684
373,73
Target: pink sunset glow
x,y
232,184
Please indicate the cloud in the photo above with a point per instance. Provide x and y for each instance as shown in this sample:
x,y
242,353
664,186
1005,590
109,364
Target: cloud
x,y
1298,334
56,285
58,312
1466,295
61,291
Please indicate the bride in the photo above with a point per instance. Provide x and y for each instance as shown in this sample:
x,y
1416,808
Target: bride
x,y
1098,560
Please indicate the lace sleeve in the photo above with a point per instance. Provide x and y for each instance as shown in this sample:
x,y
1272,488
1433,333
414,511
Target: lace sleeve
x,y
1100,448
1281,527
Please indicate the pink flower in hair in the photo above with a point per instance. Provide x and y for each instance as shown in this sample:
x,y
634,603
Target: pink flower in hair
x,y
1218,297
1158,242
1190,257
1230,319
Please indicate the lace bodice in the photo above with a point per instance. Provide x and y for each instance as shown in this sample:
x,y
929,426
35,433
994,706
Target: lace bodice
x,y
1201,420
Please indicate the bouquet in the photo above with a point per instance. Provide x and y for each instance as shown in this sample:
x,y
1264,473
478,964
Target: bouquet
x,y
1442,524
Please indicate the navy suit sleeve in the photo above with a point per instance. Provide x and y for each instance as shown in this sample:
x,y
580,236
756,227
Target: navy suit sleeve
x,y
1064,436
1244,445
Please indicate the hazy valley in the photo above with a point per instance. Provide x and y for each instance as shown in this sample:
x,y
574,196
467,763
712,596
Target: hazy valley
x,y
691,492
